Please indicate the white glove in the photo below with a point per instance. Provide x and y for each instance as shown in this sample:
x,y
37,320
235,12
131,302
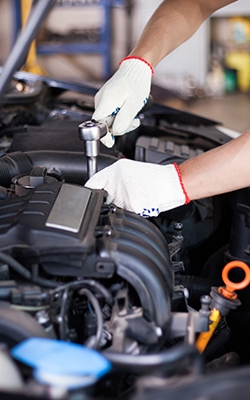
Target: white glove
x,y
146,189
124,95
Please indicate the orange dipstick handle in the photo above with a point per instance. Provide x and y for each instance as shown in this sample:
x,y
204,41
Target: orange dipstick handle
x,y
228,291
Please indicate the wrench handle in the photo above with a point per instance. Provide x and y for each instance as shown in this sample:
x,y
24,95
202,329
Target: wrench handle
x,y
90,132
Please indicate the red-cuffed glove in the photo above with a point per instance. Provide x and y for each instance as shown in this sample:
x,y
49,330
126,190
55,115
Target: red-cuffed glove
x,y
146,189
124,95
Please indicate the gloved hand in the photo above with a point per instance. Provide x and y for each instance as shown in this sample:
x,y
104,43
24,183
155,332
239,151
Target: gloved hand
x,y
124,95
146,189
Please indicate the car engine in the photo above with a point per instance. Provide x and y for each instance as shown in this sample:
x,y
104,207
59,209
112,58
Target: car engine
x,y
97,302
76,271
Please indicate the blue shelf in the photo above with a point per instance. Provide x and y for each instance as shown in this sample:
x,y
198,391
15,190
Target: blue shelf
x,y
103,47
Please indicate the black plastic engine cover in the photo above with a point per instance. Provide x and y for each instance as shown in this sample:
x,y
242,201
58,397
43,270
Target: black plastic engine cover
x,y
57,221
68,231
160,150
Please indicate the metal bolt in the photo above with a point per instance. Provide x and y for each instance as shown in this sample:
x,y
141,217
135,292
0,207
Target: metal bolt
x,y
158,331
205,303
89,124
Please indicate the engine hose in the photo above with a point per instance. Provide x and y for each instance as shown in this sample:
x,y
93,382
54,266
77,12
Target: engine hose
x,y
94,343
197,286
13,165
217,343
15,265
172,360
90,283
25,273
71,165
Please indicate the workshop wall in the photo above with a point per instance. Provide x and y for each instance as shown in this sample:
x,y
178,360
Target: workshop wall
x,y
184,68
63,23
191,66
69,24
5,29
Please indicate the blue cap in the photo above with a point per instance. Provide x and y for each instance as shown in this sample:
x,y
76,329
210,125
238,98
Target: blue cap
x,y
61,363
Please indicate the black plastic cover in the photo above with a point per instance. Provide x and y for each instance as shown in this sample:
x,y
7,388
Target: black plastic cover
x,y
57,220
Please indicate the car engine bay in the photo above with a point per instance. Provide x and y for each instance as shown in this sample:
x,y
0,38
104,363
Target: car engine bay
x,y
76,270
97,302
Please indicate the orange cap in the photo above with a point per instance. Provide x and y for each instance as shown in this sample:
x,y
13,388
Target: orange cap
x,y
228,291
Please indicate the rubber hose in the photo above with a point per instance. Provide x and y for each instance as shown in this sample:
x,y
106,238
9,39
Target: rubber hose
x,y
6,258
13,165
72,165
168,361
216,344
197,286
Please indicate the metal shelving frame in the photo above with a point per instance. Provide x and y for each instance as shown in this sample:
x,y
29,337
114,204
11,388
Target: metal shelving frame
x,y
102,47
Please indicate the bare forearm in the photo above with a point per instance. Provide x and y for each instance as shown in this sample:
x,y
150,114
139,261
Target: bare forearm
x,y
172,24
220,170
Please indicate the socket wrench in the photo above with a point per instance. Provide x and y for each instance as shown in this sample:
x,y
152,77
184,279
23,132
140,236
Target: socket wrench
x,y
92,131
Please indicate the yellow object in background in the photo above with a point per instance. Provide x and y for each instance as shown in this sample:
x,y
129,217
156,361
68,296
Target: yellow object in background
x,y
31,64
240,60
239,30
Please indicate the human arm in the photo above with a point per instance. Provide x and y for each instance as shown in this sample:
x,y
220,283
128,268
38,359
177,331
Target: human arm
x,y
126,92
220,170
172,24
148,189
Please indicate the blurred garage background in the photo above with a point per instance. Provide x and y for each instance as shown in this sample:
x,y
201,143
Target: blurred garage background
x,y
84,40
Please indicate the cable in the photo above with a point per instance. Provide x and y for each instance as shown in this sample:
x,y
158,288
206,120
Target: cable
x,y
25,273
170,360
61,317
66,288
15,265
52,284
98,314
86,282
